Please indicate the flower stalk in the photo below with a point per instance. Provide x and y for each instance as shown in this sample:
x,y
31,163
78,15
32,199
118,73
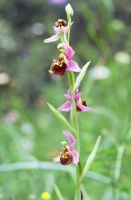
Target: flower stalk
x,y
74,121
74,117
65,64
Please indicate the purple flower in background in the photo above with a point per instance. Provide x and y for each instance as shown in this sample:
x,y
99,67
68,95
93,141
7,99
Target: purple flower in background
x,y
81,106
60,27
69,154
58,2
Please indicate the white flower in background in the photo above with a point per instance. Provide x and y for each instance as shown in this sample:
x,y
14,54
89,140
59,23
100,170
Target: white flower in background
x,y
37,29
123,57
4,78
32,197
99,72
11,116
27,128
26,145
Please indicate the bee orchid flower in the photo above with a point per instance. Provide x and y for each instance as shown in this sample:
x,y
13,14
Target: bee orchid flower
x,y
69,154
60,27
65,61
81,106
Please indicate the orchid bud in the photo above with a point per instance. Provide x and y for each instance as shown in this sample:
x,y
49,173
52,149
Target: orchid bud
x,y
69,10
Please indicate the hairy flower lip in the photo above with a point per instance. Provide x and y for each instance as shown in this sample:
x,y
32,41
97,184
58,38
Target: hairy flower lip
x,y
58,67
66,157
61,23
78,109
61,26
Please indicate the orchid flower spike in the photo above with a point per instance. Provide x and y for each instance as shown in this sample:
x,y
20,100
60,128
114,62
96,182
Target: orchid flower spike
x,y
60,28
65,61
69,154
81,106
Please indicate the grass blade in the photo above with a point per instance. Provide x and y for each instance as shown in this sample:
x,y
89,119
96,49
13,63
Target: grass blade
x,y
58,193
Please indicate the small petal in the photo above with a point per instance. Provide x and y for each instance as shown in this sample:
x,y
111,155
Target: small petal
x,y
70,138
75,156
73,66
68,95
69,53
83,108
65,37
59,30
56,159
77,95
65,107
72,146
52,39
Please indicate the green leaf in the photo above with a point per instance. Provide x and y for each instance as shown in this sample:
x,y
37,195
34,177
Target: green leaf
x,y
91,157
60,117
81,75
58,193
35,165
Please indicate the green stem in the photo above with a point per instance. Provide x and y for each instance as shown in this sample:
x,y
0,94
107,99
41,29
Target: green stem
x,y
78,183
74,122
73,114
74,119
69,30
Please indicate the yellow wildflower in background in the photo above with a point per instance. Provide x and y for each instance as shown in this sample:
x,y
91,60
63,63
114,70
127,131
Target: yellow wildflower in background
x,y
45,196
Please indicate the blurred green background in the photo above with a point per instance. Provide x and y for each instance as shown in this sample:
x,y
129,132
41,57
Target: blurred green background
x,y
28,130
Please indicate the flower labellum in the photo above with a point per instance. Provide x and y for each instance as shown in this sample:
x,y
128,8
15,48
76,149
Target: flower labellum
x,y
58,67
69,154
81,106
60,27
66,156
